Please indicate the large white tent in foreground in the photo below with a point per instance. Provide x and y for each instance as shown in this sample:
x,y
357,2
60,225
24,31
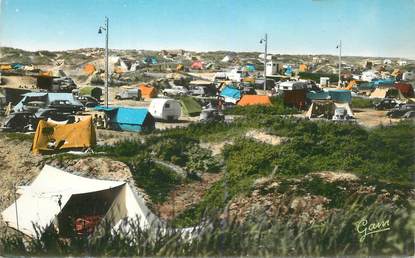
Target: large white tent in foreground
x,y
56,196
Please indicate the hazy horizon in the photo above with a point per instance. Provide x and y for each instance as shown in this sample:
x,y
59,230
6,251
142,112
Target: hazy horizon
x,y
303,27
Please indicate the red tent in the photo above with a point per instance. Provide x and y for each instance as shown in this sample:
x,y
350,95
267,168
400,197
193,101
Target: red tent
x,y
406,89
197,65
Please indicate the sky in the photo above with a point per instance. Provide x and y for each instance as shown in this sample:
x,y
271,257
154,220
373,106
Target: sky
x,y
366,27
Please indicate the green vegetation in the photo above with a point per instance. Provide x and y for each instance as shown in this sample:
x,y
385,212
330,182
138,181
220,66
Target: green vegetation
x,y
384,153
156,180
19,136
338,235
277,108
363,103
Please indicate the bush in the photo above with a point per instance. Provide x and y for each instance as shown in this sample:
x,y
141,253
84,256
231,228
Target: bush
x,y
156,180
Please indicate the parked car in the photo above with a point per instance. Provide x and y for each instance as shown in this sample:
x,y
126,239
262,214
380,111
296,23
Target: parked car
x,y
401,110
134,94
386,103
33,106
88,101
340,114
54,114
248,90
66,106
19,122
176,91
211,115
409,115
199,91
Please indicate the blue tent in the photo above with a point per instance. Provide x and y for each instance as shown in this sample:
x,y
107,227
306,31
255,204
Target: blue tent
x,y
17,66
366,86
320,95
231,94
384,82
342,96
288,70
250,67
129,119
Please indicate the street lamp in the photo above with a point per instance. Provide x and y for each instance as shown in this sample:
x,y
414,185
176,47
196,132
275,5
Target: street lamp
x,y
339,46
105,28
265,41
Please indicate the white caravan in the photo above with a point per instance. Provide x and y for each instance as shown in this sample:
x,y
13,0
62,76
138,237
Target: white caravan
x,y
165,109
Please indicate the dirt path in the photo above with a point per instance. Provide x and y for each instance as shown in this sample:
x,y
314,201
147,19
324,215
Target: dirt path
x,y
186,195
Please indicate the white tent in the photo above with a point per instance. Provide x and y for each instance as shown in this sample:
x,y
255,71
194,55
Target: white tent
x,y
325,109
55,194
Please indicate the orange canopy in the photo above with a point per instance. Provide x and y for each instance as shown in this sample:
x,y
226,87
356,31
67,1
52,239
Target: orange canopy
x,y
147,91
247,100
52,136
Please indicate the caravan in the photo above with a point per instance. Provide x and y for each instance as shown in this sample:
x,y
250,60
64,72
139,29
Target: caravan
x,y
165,109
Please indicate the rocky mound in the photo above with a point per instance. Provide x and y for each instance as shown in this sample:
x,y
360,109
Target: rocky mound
x,y
314,197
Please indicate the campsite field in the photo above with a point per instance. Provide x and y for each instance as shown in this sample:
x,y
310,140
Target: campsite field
x,y
309,174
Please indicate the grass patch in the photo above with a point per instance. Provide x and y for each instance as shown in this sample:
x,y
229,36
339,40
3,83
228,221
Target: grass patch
x,y
19,136
363,103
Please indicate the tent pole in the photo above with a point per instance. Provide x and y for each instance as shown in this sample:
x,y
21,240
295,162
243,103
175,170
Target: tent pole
x,y
15,205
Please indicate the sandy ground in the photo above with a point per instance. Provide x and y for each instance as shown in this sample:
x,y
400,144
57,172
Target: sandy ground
x,y
264,137
17,167
372,118
215,147
368,117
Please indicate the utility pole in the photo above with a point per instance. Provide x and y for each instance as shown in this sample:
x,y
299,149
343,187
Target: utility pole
x,y
106,27
340,62
265,41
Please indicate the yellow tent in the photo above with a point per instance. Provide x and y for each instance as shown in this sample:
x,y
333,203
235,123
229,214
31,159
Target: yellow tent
x,y
179,67
5,67
52,136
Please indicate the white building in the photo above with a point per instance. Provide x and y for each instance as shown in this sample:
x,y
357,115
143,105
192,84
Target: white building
x,y
272,68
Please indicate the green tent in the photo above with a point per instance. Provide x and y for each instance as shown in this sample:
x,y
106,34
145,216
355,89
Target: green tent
x,y
190,107
95,92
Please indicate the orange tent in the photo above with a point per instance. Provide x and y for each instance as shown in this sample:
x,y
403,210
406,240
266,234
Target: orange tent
x,y
247,100
53,136
89,69
303,68
147,91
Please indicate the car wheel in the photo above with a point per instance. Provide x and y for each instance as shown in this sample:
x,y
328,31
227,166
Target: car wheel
x,y
117,97
165,93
